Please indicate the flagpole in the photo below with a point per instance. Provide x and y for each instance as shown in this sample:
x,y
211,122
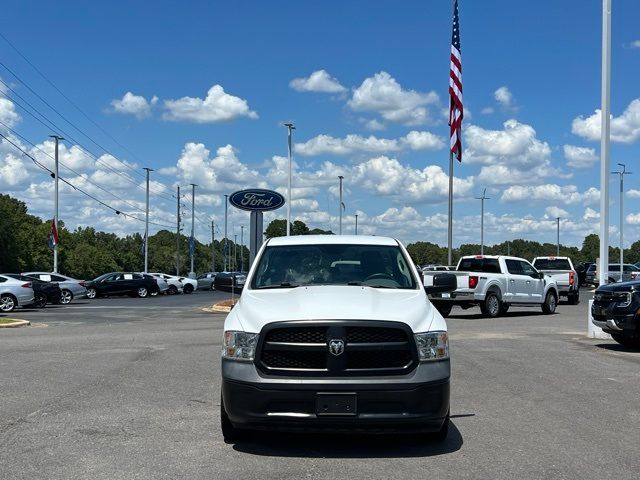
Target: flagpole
x,y
57,139
450,223
604,142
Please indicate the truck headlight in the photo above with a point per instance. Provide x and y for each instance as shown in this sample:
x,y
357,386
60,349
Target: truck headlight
x,y
239,345
432,345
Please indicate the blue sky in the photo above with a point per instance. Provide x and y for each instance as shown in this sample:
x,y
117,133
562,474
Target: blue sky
x,y
199,92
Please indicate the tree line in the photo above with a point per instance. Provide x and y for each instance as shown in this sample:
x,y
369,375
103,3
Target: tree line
x,y
86,253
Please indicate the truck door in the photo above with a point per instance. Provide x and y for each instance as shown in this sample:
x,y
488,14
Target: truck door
x,y
535,285
517,287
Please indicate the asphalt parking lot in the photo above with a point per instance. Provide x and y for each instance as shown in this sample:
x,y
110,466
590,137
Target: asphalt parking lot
x,y
128,388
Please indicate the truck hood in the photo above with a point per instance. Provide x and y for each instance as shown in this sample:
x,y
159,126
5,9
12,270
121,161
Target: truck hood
x,y
258,308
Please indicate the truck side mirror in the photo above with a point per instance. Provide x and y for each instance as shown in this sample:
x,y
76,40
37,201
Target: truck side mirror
x,y
443,282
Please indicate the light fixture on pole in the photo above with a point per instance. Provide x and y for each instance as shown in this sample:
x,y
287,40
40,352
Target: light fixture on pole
x,y
291,127
55,215
558,237
192,242
342,206
146,226
482,199
356,223
622,174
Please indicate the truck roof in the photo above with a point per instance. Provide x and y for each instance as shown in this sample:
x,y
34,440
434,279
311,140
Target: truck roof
x,y
332,240
480,257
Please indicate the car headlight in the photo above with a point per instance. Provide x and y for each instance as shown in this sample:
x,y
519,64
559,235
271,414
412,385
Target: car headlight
x,y
239,345
432,345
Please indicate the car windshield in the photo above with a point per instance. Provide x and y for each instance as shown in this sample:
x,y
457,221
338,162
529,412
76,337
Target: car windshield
x,y
552,264
290,266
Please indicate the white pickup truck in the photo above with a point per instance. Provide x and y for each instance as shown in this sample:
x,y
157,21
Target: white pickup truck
x,y
562,271
494,283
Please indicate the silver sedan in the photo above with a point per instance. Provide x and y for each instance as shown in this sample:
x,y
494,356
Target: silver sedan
x,y
71,288
14,293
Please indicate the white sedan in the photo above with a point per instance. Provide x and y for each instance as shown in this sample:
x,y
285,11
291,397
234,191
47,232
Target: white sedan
x,y
177,284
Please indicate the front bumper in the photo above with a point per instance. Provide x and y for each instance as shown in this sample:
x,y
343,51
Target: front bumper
x,y
614,319
418,401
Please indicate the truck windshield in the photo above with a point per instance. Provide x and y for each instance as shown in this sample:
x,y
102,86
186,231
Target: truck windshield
x,y
290,266
552,264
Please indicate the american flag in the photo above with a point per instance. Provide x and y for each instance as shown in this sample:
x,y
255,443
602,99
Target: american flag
x,y
456,109
53,236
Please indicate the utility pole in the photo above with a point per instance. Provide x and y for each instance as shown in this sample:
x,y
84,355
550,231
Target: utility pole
x,y
482,199
291,127
508,248
178,233
235,252
225,248
192,244
241,248
146,226
55,215
558,237
341,205
605,126
213,249
622,174
356,223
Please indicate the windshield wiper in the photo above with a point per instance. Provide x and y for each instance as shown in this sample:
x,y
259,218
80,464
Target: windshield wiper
x,y
354,283
360,284
282,285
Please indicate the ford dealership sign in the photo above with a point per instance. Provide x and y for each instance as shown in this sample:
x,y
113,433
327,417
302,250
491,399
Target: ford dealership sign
x,y
256,199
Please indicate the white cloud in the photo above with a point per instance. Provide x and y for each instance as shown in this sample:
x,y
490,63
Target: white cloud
x,y
633,219
555,212
218,106
384,95
318,81
374,125
487,110
590,215
567,194
8,114
326,144
633,193
580,157
624,129
512,155
635,44
136,105
504,97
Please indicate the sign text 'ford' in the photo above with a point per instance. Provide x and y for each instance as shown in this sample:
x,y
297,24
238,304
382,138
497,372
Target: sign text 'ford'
x,y
256,199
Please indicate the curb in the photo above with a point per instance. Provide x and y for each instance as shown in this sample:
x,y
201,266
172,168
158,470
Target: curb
x,y
217,308
17,323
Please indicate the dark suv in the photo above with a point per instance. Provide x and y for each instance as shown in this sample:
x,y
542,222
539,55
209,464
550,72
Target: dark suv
x,y
615,310
122,283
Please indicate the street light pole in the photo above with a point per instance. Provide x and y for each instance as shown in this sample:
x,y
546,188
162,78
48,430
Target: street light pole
x,y
213,248
225,248
291,127
241,248
482,199
146,226
192,246
356,223
558,237
55,215
622,174
178,234
605,125
341,205
235,252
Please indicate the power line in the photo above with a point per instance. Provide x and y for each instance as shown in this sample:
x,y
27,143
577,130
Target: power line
x,y
104,204
49,124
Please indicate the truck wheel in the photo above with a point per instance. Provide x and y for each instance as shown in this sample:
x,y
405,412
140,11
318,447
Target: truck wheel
x,y
629,341
491,305
443,308
230,433
550,303
574,298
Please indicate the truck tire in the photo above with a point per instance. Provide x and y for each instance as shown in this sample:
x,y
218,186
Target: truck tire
x,y
230,433
550,303
574,298
443,308
629,341
491,305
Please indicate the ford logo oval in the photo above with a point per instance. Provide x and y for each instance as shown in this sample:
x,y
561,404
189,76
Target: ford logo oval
x,y
256,199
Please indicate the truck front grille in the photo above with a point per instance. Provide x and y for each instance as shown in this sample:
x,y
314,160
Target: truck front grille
x,y
367,348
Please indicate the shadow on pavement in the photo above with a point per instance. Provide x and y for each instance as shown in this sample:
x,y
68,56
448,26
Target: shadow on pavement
x,y
616,347
348,446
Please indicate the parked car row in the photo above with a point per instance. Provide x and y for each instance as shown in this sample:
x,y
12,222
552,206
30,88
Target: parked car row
x,y
221,280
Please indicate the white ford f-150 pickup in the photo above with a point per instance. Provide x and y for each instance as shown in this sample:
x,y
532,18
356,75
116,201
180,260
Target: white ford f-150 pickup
x,y
335,333
494,283
562,271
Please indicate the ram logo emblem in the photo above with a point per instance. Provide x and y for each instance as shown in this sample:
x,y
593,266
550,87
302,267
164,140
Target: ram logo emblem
x,y
336,347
